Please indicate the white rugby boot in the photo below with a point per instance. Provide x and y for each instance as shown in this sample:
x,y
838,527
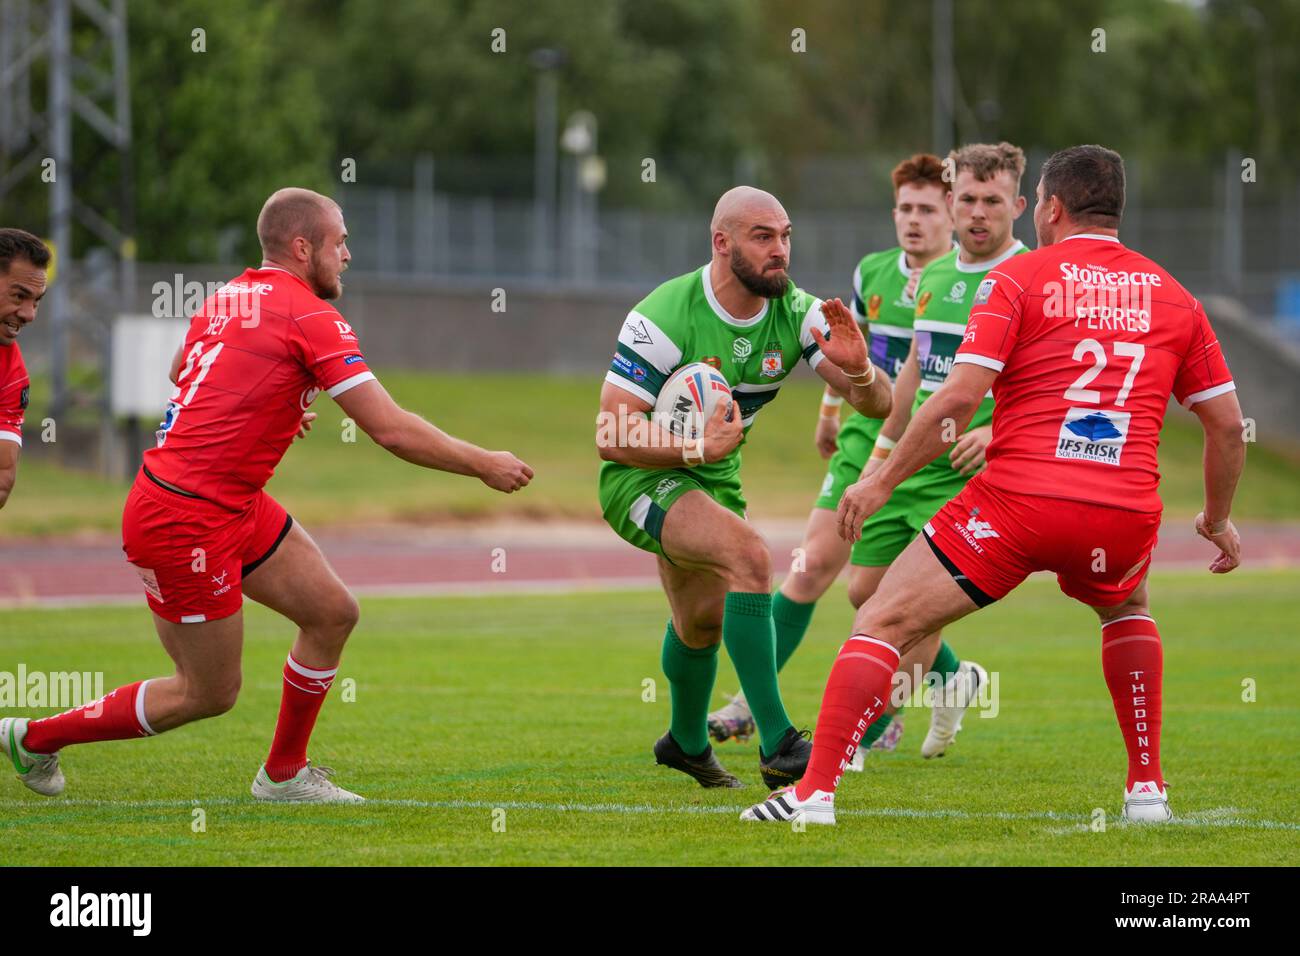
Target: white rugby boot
x,y
1147,802
782,807
309,785
950,703
38,772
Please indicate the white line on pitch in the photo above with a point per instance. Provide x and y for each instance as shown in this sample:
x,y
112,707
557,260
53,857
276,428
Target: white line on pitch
x,y
1215,817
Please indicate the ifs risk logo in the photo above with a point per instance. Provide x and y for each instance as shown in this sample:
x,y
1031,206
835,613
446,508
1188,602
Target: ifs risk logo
x,y
1091,434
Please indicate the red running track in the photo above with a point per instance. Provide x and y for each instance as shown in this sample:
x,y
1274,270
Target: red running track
x,y
488,559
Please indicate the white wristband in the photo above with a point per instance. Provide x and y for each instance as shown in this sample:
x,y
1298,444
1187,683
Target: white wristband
x,y
885,444
832,401
689,446
865,379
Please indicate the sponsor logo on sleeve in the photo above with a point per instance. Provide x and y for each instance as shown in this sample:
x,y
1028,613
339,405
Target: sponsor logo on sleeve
x,y
640,335
354,359
345,330
1090,434
984,291
622,364
24,396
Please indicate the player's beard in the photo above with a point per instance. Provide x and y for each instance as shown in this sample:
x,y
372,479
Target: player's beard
x,y
316,277
768,286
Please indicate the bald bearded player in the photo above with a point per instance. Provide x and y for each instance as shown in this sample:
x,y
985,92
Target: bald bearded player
x,y
682,501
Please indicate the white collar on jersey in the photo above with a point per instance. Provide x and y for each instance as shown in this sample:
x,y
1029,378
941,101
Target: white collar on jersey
x,y
989,264
902,260
1091,235
722,313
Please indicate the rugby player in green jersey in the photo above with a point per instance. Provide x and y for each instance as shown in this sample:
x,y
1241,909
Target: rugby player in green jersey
x,y
884,298
984,202
682,499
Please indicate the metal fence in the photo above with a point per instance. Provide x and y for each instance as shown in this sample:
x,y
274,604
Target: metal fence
x,y
1213,231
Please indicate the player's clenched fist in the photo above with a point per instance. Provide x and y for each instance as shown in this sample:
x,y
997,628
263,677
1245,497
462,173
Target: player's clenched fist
x,y
1223,535
505,472
722,432
826,436
845,347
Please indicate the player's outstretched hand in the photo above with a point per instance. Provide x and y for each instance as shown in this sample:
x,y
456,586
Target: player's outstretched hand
x,y
304,426
967,456
860,501
826,435
846,348
505,472
1223,536
722,432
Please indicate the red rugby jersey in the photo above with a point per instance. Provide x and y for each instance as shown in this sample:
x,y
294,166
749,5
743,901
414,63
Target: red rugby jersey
x,y
14,385
1089,340
257,354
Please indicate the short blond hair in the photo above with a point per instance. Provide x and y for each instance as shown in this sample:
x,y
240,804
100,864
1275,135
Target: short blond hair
x,y
986,160
289,213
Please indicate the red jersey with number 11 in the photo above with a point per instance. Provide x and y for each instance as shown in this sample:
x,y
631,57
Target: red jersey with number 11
x,y
257,354
1089,340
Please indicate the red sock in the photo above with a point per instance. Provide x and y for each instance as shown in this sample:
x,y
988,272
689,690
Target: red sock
x,y
1133,662
304,693
118,715
857,692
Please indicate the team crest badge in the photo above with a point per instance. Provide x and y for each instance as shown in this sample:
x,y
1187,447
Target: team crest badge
x,y
742,349
773,364
922,303
873,308
984,291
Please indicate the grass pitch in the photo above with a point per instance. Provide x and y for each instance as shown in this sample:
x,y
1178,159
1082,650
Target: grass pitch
x,y
471,713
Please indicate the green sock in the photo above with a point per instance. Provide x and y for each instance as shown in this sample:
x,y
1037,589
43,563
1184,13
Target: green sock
x,y
690,672
945,665
750,636
791,620
875,730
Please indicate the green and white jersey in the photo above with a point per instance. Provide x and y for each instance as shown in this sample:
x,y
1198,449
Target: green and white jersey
x,y
943,302
682,322
881,299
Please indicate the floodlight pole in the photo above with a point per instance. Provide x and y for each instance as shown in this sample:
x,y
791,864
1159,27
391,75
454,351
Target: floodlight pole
x,y
942,96
546,61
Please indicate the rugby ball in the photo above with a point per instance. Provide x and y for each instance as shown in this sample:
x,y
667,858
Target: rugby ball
x,y
688,399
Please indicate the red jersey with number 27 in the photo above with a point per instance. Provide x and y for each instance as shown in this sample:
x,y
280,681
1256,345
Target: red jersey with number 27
x,y
1089,340
257,354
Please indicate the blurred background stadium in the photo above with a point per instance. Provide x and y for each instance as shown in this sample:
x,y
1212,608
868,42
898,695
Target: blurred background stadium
x,y
515,175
